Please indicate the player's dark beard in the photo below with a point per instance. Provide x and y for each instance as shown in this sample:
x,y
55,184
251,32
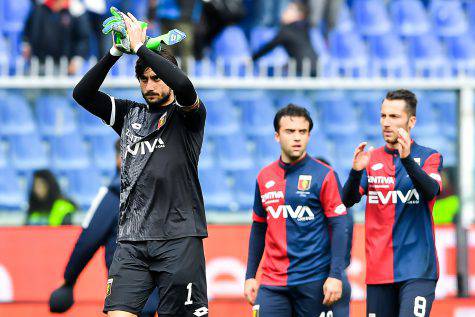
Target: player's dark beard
x,y
157,103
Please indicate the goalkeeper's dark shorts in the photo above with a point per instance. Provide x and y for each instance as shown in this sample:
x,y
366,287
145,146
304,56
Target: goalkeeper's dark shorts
x,y
176,267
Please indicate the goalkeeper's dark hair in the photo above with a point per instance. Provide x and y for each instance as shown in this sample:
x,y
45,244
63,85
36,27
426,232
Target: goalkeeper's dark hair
x,y
409,98
141,66
292,110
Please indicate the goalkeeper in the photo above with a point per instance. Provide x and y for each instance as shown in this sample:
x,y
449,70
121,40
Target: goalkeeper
x,y
162,219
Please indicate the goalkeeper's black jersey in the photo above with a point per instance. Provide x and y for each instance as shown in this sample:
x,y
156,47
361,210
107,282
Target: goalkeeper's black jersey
x,y
160,196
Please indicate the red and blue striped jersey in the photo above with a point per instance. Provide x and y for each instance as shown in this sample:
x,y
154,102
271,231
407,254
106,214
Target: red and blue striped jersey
x,y
296,200
400,243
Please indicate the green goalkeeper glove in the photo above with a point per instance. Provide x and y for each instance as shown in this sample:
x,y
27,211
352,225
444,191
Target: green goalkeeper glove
x,y
116,25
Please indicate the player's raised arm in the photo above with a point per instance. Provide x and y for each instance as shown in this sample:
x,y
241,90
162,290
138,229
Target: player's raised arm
x,y
171,75
353,189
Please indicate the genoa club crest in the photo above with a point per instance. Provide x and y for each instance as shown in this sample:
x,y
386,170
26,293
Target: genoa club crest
x,y
304,182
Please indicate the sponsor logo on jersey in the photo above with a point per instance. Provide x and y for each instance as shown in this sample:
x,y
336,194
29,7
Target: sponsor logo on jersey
x,y
384,180
271,197
393,197
146,146
377,166
300,213
304,182
202,311
269,184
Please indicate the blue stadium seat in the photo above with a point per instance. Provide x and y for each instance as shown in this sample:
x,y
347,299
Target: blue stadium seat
x,y
216,191
207,159
445,102
55,116
409,17
244,188
204,68
337,114
471,15
4,162
261,35
27,152
103,152
12,197
266,151
427,124
461,51
14,14
15,115
301,100
444,146
91,125
221,117
344,147
320,146
232,152
387,56
448,18
68,151
231,43
427,56
83,185
371,17
257,117
348,54
369,105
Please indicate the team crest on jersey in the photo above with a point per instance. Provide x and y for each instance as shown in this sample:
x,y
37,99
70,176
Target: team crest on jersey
x,y
109,286
162,120
304,182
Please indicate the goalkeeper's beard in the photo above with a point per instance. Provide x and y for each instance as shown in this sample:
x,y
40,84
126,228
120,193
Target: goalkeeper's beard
x,y
160,102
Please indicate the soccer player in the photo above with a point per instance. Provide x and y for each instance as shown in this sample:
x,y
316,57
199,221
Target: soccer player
x,y
401,181
99,229
296,199
162,220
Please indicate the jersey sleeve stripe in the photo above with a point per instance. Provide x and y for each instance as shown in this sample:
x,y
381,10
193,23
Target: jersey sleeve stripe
x,y
95,203
256,218
112,119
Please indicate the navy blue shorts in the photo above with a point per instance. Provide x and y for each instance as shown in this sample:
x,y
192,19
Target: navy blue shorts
x,y
412,298
342,307
291,301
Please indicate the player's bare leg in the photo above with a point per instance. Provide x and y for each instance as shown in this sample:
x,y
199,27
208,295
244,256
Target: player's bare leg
x,y
120,313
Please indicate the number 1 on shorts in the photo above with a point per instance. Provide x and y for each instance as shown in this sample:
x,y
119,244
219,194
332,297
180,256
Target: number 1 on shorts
x,y
188,298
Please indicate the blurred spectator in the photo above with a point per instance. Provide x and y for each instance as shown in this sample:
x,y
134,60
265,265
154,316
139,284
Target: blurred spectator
x,y
177,14
57,28
324,13
267,13
216,15
447,205
96,10
46,204
295,38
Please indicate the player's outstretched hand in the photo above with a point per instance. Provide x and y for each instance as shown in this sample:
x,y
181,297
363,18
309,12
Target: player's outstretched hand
x,y
250,290
361,157
403,143
137,34
332,290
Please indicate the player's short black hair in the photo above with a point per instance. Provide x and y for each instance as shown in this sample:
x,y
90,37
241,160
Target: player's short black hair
x,y
292,110
408,96
141,65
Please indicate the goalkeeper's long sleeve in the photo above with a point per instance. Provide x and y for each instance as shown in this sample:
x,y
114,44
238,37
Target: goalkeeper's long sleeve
x,y
171,75
87,93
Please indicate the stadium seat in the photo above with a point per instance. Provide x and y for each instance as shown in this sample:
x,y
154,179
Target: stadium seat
x,y
55,116
14,14
427,56
319,146
348,56
103,152
261,35
371,17
231,51
369,105
221,117
461,51
68,151
444,146
15,115
448,18
216,191
266,150
83,185
344,148
27,153
387,56
338,116
207,159
471,15
203,68
232,152
445,102
244,188
409,17
257,117
91,125
12,197
427,123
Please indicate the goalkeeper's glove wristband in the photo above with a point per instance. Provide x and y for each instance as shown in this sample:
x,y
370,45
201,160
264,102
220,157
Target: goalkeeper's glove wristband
x,y
115,52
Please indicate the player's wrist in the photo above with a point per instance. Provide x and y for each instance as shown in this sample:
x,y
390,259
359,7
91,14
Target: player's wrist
x,y
114,51
137,47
